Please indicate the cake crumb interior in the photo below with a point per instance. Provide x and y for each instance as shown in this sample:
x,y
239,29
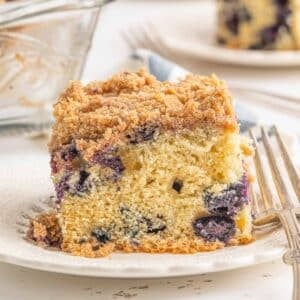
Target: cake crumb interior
x,y
143,205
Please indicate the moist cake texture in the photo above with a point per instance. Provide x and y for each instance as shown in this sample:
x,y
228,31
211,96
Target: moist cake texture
x,y
140,165
259,24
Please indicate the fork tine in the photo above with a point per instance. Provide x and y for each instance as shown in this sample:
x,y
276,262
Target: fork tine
x,y
261,176
293,175
260,219
279,183
254,206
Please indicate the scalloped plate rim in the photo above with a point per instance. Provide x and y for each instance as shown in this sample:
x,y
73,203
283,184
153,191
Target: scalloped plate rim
x,y
95,270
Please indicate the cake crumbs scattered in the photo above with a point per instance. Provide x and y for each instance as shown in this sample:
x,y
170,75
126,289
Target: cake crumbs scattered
x,y
44,230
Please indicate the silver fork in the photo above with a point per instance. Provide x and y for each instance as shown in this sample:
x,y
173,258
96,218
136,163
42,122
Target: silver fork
x,y
265,207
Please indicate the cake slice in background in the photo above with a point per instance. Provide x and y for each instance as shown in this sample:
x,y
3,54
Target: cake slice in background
x,y
259,24
148,166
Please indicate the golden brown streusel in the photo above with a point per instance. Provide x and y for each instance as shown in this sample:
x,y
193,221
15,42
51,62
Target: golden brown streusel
x,y
101,113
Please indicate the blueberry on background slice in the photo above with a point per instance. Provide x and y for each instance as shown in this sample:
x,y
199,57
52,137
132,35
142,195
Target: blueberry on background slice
x,y
214,228
221,40
281,2
232,22
244,14
269,34
236,17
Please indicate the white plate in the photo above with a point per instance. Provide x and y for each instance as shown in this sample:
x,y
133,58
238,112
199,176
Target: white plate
x,y
193,34
24,179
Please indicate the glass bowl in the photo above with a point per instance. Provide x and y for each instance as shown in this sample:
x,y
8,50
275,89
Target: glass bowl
x,y
43,45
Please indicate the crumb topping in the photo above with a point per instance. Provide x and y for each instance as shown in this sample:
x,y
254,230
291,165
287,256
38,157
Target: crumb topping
x,y
102,113
45,230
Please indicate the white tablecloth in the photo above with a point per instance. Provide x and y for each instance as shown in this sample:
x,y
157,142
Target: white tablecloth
x,y
268,281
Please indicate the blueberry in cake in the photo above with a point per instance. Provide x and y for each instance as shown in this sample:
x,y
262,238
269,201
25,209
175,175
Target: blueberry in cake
x,y
259,24
148,166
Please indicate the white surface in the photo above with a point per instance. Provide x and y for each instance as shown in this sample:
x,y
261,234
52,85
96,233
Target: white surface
x,y
270,281
267,281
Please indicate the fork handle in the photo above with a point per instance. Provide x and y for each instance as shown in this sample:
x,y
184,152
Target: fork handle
x,y
296,271
292,257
